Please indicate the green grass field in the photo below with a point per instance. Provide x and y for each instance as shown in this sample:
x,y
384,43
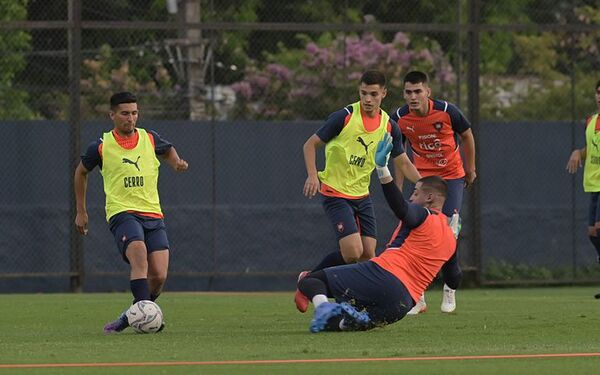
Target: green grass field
x,y
67,328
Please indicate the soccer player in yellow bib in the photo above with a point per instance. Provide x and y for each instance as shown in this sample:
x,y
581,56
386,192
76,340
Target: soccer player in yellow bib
x,y
589,158
127,158
350,137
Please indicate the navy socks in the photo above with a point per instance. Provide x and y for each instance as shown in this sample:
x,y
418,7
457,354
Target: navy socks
x,y
331,260
140,289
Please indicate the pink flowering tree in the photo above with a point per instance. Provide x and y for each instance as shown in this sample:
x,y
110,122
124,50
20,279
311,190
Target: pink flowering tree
x,y
323,77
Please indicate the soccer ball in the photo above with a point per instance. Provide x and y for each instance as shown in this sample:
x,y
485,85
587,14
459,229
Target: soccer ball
x,y
144,317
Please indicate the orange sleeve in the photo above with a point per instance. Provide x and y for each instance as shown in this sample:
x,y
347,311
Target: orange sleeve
x,y
151,139
347,119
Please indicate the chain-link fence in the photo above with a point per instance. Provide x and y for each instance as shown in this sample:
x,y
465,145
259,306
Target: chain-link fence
x,y
238,86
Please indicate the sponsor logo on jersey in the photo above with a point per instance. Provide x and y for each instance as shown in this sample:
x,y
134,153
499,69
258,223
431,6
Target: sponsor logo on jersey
x,y
135,163
365,145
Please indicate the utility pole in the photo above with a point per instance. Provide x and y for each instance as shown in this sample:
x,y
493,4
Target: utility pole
x,y
195,62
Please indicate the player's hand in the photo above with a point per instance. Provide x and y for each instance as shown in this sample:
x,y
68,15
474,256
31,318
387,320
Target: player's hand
x,y
311,186
574,162
470,177
382,154
181,165
81,221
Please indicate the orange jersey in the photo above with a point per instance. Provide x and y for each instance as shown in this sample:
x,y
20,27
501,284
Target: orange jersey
x,y
418,260
434,138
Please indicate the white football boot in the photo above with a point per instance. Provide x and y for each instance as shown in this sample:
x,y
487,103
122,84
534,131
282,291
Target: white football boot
x,y
448,299
419,307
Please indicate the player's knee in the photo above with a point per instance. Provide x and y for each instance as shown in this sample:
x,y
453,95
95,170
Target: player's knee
x,y
158,278
138,265
367,254
136,254
351,250
352,255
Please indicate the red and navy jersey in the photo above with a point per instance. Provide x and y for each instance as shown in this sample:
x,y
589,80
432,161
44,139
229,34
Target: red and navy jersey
x,y
434,138
93,154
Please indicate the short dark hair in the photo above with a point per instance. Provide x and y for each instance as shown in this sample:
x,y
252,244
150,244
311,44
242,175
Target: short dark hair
x,y
597,84
373,77
434,184
122,97
415,77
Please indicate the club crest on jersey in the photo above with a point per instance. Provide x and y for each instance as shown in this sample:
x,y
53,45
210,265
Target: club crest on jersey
x,y
340,227
438,126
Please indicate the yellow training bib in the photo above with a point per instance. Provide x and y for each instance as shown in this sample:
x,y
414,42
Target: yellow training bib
x,y
130,176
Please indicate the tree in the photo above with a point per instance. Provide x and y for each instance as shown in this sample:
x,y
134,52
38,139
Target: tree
x,y
13,47
538,85
46,74
314,81
146,76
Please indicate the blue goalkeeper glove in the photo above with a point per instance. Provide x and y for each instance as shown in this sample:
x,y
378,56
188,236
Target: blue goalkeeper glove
x,y
382,155
455,223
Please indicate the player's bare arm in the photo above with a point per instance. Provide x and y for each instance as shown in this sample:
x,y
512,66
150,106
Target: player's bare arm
x,y
405,168
576,160
398,172
311,186
468,145
80,182
173,159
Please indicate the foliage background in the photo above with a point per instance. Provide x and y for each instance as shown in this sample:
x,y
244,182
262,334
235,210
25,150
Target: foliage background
x,y
289,74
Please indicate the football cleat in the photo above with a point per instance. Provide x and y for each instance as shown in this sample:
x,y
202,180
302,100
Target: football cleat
x,y
300,299
323,314
353,318
448,299
118,325
419,307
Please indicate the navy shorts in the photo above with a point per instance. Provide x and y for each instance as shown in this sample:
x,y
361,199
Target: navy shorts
x,y
350,216
127,227
369,287
594,210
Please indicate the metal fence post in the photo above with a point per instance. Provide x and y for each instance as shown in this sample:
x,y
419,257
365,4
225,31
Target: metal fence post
x,y
573,179
473,105
76,242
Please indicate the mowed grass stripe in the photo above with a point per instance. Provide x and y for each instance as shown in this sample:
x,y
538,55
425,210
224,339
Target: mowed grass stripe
x,y
293,361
